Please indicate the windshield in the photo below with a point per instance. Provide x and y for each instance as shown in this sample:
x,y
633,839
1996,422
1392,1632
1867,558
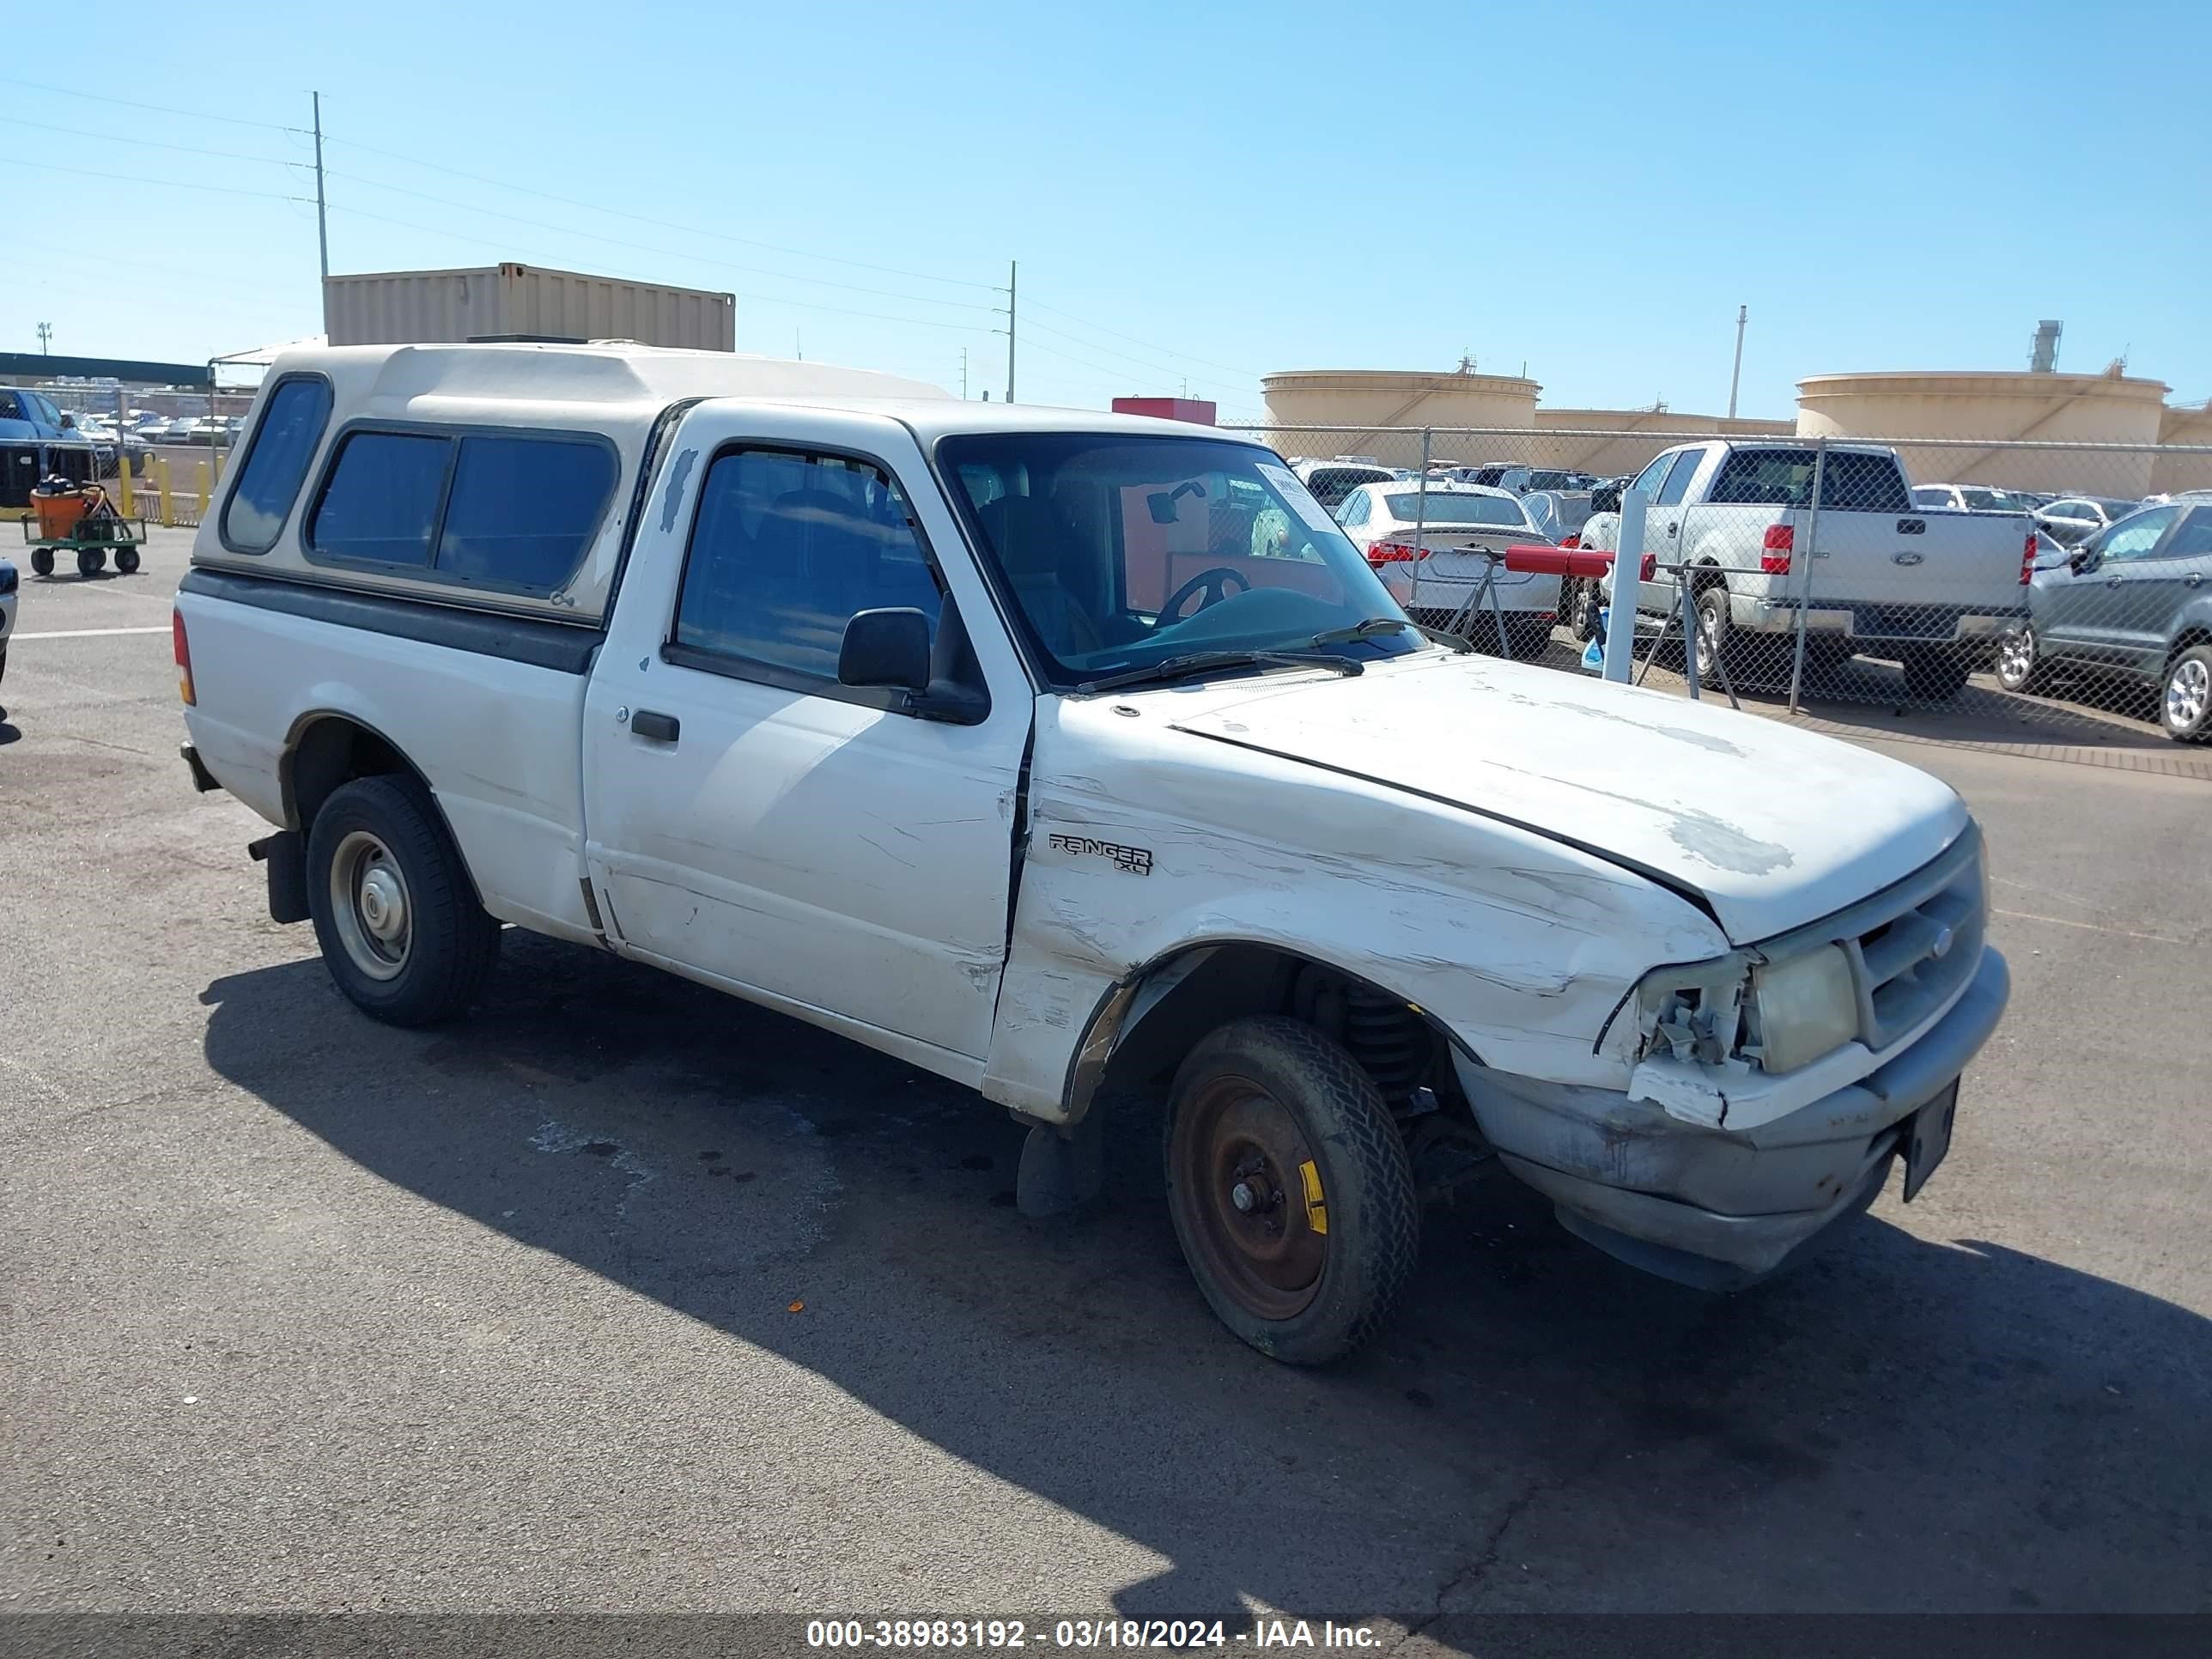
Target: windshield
x,y
1460,509
1120,552
1993,500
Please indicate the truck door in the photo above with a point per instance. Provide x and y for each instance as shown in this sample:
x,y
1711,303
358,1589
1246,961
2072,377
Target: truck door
x,y
1658,594
749,819
1663,534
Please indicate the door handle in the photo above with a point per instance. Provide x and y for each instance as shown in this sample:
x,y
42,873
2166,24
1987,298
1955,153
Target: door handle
x,y
661,728
2194,579
1674,525
2111,581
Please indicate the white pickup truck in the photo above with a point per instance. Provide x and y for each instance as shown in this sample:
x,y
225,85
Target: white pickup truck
x,y
1933,590
980,735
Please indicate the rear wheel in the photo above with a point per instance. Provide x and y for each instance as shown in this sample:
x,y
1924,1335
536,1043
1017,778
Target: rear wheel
x,y
2020,666
1936,675
1716,627
42,561
2185,699
126,560
394,910
1290,1189
91,561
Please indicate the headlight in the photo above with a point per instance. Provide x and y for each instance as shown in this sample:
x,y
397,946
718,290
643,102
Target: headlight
x,y
1806,1007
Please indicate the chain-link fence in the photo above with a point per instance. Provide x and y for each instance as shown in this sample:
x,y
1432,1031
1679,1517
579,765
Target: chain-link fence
x,y
160,453
2039,583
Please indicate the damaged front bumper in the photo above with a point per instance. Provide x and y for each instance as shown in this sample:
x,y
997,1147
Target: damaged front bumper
x,y
1716,1208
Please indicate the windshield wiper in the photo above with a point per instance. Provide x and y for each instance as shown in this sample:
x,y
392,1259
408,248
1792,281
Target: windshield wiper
x,y
1204,662
1376,625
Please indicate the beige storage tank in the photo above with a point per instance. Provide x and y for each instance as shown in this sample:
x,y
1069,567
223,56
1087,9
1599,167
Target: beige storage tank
x,y
1611,456
1356,404
1971,404
2183,423
528,302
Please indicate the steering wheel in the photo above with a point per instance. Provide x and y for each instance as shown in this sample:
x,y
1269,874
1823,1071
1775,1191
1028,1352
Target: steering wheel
x,y
1215,585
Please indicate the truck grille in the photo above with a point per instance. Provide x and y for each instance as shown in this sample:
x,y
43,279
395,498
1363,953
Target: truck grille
x,y
1912,947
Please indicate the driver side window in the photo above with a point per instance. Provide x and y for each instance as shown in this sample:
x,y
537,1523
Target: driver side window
x,y
1648,480
1354,512
2135,538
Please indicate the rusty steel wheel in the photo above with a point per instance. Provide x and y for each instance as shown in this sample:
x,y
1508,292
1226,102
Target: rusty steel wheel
x,y
1290,1189
1251,1189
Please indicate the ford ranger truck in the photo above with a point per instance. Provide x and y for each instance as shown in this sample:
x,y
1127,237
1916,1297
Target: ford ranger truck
x,y
978,734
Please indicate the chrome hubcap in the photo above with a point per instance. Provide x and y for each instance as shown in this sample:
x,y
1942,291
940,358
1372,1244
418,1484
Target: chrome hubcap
x,y
2188,691
2016,656
369,906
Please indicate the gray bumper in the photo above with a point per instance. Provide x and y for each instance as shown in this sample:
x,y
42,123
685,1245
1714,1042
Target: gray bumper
x,y
1710,1207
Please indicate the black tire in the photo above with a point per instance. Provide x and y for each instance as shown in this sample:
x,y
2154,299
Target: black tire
x,y
42,561
2020,665
1716,627
2185,696
438,968
1369,1211
1936,675
126,560
91,561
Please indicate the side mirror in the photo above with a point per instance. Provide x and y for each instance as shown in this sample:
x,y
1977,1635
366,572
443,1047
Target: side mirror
x,y
886,647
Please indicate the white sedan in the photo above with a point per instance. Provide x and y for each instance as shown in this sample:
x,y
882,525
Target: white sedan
x,y
1433,552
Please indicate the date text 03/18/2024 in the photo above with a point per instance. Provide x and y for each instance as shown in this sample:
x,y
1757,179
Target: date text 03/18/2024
x,y
1190,1635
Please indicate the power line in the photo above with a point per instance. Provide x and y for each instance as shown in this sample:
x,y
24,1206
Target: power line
x,y
158,144
759,299
159,109
1157,368
645,248
1164,350
664,224
164,184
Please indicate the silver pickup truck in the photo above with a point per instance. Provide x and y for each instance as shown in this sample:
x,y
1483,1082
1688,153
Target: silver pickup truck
x,y
1933,590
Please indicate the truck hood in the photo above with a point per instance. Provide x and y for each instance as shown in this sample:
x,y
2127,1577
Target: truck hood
x,y
1769,827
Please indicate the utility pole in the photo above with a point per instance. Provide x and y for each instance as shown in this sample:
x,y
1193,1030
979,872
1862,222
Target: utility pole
x,y
322,212
1012,272
963,374
46,334
1735,374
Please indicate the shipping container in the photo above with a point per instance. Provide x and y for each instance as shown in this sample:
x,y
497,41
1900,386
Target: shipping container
x,y
523,302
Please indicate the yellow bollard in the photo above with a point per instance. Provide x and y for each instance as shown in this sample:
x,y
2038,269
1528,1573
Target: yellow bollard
x,y
200,473
124,502
161,488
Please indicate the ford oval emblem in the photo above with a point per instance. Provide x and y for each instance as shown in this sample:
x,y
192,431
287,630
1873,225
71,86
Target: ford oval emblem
x,y
1904,558
1942,946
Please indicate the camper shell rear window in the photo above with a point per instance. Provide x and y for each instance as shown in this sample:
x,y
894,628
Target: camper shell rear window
x,y
501,509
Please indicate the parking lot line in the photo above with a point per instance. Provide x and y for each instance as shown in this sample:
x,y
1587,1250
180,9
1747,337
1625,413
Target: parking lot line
x,y
88,633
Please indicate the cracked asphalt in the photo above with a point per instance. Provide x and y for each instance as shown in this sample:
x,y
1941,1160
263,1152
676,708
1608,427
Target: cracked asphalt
x,y
624,1296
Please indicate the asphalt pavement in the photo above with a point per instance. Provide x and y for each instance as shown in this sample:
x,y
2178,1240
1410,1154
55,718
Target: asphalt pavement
x,y
626,1296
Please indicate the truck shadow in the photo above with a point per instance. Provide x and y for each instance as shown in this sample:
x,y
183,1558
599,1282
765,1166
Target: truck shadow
x,y
1900,1424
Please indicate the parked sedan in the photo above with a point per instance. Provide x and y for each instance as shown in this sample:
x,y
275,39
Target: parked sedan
x,y
1433,548
1971,498
2072,519
2133,602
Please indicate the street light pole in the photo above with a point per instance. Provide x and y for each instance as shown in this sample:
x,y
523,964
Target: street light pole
x,y
1012,274
1736,373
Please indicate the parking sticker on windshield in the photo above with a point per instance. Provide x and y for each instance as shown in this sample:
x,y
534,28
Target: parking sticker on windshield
x,y
1299,497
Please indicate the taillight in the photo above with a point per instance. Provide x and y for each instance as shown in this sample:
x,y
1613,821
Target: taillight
x,y
2027,561
1394,553
184,648
1774,559
1572,540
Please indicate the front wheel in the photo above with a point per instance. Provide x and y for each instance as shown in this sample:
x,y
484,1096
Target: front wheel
x,y
1290,1190
126,560
91,561
394,909
2185,696
42,561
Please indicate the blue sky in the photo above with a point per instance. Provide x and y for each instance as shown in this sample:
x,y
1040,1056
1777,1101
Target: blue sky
x,y
1195,194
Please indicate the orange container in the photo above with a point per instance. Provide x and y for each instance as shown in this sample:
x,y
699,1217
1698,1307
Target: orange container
x,y
58,515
